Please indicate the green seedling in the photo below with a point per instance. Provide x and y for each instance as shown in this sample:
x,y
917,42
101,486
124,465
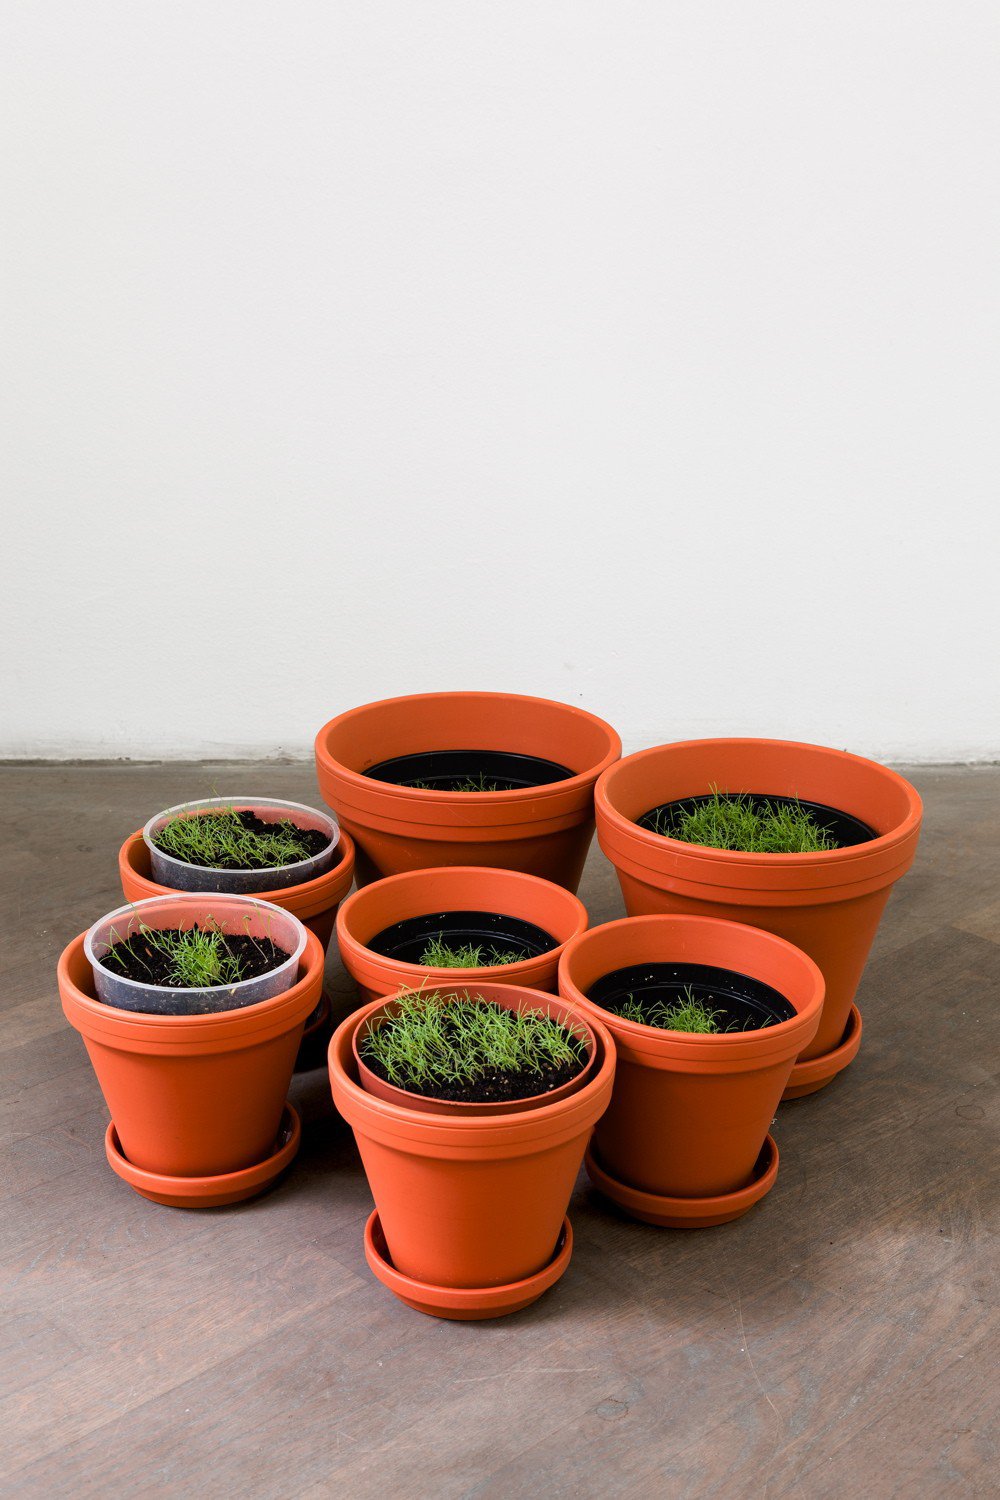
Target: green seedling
x,y
441,955
735,821
197,958
685,1014
218,840
443,1039
478,783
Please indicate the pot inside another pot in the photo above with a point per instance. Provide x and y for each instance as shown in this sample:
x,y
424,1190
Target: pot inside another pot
x,y
499,939
840,829
652,993
468,771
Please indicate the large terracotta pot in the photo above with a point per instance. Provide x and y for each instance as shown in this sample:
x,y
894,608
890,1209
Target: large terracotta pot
x,y
192,1096
544,830
690,1113
474,1202
827,903
314,902
420,893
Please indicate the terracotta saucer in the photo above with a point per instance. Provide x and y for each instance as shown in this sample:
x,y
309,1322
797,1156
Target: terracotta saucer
x,y
688,1213
208,1192
464,1304
816,1072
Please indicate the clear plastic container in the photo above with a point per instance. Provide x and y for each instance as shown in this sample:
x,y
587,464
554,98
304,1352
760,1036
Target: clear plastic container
x,y
181,876
236,915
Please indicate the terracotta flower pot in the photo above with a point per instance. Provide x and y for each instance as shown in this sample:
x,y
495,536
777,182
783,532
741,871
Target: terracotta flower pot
x,y
314,902
544,829
478,1202
828,903
193,1096
440,893
689,1115
427,1104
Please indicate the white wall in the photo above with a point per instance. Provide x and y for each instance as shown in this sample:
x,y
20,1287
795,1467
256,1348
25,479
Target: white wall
x,y
639,354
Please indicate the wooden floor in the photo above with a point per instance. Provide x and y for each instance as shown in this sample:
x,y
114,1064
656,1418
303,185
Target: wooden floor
x,y
841,1340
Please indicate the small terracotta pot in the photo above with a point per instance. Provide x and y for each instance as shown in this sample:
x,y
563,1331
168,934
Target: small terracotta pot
x,y
476,1202
418,893
314,902
543,830
828,903
690,1113
193,1096
426,1104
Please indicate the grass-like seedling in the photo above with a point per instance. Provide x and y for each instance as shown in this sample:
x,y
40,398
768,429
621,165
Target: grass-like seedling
x,y
687,1013
232,840
479,783
441,955
194,959
752,826
432,1043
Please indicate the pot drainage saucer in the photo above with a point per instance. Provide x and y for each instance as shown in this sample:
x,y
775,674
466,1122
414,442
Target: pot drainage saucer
x,y
208,1192
464,1304
816,1072
687,1213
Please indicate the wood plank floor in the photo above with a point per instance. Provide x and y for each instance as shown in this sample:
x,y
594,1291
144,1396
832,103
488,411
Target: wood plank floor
x,y
841,1340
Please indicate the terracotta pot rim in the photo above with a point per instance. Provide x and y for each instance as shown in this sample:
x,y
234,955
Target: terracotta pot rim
x,y
781,1037
216,1190
828,859
673,1212
217,1031
517,1131
464,1302
354,950
417,797
312,896
427,1104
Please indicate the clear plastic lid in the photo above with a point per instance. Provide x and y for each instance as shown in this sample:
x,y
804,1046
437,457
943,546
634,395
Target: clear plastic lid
x,y
179,875
232,915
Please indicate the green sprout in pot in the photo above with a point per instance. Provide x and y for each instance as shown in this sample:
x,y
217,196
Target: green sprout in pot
x,y
195,958
749,825
461,1047
441,955
687,1013
231,839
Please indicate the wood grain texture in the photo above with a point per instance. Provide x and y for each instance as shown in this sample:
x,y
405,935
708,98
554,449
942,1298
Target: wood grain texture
x,y
841,1340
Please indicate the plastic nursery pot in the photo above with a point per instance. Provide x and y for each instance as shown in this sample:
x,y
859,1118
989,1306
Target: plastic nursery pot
x,y
828,903
383,928
690,1112
549,755
179,875
476,1202
559,1010
314,902
236,916
193,1096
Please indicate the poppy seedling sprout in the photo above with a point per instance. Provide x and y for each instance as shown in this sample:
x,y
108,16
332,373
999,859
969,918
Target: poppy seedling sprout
x,y
441,955
231,839
687,1013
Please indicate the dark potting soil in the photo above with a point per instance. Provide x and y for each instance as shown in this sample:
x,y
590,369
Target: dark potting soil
x,y
842,828
136,958
313,841
492,1088
741,1003
407,940
451,770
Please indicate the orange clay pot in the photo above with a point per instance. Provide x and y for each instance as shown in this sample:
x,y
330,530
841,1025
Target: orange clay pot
x,y
690,1113
314,902
477,1202
193,1096
426,1104
418,893
543,830
828,903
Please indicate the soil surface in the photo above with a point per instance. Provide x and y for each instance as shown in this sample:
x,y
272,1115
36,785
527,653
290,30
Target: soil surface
x,y
313,841
145,964
492,1088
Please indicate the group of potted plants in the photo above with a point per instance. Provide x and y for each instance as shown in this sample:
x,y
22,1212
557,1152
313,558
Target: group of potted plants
x,y
499,1041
